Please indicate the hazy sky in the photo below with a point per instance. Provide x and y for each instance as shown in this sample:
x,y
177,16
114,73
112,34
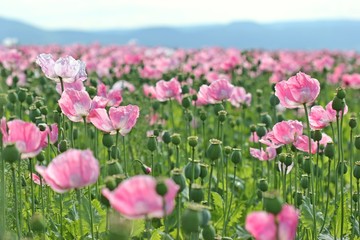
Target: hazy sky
x,y
107,14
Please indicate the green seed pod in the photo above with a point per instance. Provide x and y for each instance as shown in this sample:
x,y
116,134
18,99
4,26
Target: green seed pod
x,y
214,150
288,160
194,97
203,170
330,150
356,171
341,168
263,185
22,94
166,137
91,90
352,122
340,93
274,100
114,168
156,106
161,188
107,140
299,197
34,113
304,182
236,156
38,223
355,197
259,92
266,119
227,150
203,116
179,179
188,170
259,194
175,139
110,183
29,99
307,165
151,144
193,141
280,117
261,130
186,102
114,152
208,232
11,154
185,89
40,157
44,110
63,146
357,142
206,217
252,128
338,104
300,158
282,157
259,108
317,135
12,97
191,219
217,108
272,203
196,193
222,116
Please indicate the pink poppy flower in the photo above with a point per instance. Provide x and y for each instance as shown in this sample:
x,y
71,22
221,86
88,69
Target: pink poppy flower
x,y
113,97
26,136
319,117
297,90
220,90
168,90
254,138
123,85
325,139
77,85
203,97
120,119
285,132
67,68
239,96
75,104
261,225
302,144
288,220
36,180
268,154
149,91
71,169
136,197
266,226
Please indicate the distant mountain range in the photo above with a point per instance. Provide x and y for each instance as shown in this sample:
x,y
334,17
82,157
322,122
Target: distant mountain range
x,y
307,35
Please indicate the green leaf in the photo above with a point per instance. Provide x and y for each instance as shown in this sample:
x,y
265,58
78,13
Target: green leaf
x,y
138,227
307,216
156,235
355,225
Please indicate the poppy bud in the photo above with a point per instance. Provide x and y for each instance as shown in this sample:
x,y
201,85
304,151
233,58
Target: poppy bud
x,y
252,128
203,170
206,217
263,185
304,182
38,223
22,95
203,116
166,137
63,146
340,93
12,97
338,104
266,119
208,232
188,170
146,169
227,150
191,219
114,168
217,108
288,160
356,171
161,188
329,150
352,122
317,135
342,168
222,115
274,100
186,102
357,142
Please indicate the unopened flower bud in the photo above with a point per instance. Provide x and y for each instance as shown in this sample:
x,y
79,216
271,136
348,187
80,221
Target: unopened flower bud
x,y
356,171
304,182
357,142
178,178
340,93
161,188
208,232
38,223
146,169
352,122
236,156
188,170
11,154
272,203
263,185
203,170
114,168
107,140
175,139
329,150
274,100
203,116
317,135
166,137
186,102
266,119
261,130
151,144
338,104
63,146
12,97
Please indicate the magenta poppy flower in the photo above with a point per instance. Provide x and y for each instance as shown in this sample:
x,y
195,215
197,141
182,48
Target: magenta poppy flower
x,y
268,154
319,117
113,97
267,226
75,104
220,90
136,197
288,220
285,132
261,225
26,136
302,144
168,90
297,90
71,169
67,68
120,119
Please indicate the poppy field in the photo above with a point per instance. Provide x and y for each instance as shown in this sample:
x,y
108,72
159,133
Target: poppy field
x,y
133,142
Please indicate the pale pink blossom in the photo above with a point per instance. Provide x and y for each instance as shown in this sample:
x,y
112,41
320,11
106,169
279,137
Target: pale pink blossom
x,y
75,104
268,154
72,169
136,197
168,90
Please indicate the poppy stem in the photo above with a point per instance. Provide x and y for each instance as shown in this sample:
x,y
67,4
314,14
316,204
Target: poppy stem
x,y
91,214
78,196
32,187
18,226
